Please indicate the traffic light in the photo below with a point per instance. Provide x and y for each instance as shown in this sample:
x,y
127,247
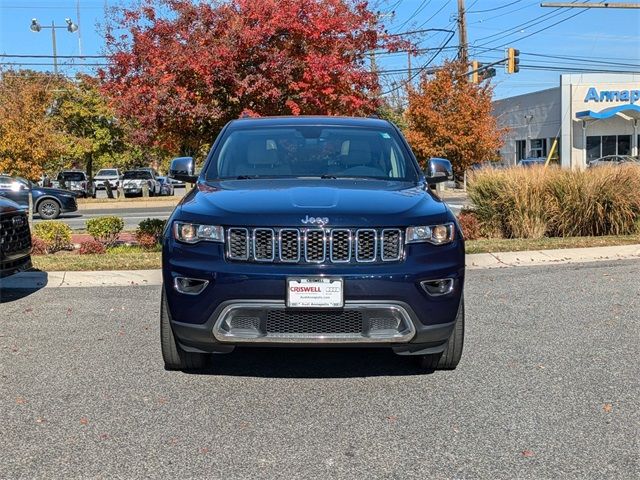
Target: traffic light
x,y
488,73
475,66
513,61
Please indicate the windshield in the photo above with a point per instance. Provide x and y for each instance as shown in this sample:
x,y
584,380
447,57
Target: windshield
x,y
107,173
311,151
71,176
136,175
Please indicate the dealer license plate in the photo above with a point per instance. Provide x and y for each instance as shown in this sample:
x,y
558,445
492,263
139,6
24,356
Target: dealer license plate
x,y
315,292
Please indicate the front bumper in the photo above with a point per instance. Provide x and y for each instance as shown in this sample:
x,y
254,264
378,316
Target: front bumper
x,y
426,321
15,264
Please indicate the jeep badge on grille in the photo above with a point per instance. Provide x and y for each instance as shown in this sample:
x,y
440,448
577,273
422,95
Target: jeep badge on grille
x,y
315,220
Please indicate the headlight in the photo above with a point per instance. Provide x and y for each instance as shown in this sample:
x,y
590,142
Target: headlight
x,y
194,233
435,234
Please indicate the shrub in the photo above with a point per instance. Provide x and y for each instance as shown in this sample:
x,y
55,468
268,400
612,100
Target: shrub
x,y
151,226
91,247
469,224
38,246
146,240
534,202
55,235
105,229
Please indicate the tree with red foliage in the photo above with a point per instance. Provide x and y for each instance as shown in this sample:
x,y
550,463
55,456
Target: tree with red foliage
x,y
450,117
182,69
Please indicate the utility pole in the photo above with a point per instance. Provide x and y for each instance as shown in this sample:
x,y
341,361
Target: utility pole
x,y
79,32
409,75
462,32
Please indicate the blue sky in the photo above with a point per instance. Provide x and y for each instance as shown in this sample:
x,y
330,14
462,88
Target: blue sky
x,y
595,38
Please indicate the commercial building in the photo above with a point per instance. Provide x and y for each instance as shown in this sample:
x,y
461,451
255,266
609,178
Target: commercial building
x,y
590,115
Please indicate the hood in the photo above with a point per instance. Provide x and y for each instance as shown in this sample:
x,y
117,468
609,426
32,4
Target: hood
x,y
134,181
104,177
8,206
285,202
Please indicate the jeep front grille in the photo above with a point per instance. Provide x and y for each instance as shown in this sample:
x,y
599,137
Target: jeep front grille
x,y
314,245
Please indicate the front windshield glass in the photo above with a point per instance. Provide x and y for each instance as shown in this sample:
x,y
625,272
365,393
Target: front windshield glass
x,y
137,175
71,176
311,151
107,173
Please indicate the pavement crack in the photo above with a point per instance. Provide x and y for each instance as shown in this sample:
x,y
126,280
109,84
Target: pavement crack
x,y
64,275
500,261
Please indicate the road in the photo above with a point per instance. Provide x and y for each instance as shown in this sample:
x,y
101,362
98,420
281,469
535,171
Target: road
x,y
547,388
133,216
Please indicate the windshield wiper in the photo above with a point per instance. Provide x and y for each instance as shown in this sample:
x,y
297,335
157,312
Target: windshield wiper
x,y
328,177
246,177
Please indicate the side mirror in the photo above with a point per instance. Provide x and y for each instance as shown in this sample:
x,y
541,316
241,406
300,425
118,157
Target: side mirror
x,y
438,170
183,169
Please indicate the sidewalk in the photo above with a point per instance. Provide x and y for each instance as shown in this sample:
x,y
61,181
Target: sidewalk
x,y
478,261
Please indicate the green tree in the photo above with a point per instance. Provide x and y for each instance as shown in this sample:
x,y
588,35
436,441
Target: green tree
x,y
93,136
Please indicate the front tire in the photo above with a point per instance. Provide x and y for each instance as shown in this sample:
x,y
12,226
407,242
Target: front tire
x,y
449,359
48,209
175,358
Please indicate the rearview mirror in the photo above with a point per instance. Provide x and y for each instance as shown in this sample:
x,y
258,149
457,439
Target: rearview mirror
x,y
438,170
183,169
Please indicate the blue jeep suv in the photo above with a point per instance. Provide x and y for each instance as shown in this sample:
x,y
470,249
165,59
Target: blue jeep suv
x,y
312,231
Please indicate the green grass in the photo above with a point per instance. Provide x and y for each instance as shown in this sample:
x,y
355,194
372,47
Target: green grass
x,y
522,244
67,261
134,258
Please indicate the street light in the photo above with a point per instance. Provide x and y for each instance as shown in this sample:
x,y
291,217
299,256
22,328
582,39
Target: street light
x,y
35,26
71,28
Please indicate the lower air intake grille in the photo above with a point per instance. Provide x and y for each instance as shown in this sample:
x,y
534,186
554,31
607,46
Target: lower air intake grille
x,y
281,321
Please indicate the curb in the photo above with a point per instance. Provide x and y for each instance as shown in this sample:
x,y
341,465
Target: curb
x,y
85,207
476,261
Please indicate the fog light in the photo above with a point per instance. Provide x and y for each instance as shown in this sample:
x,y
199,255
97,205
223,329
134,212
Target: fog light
x,y
189,286
436,288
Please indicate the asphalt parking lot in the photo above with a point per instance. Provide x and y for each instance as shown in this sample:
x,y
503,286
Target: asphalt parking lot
x,y
548,387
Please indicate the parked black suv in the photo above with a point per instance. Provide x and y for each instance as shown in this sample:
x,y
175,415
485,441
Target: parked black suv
x,y
15,239
49,203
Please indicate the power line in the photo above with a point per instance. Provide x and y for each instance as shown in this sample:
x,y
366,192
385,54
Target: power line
x,y
545,28
506,13
421,7
495,8
7,55
423,67
518,27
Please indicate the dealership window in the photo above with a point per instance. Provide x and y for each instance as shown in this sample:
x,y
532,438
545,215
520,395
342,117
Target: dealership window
x,y
624,144
521,149
608,145
538,147
593,148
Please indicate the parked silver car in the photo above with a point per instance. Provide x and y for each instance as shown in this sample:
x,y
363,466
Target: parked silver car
x,y
77,181
133,181
111,175
611,160
166,188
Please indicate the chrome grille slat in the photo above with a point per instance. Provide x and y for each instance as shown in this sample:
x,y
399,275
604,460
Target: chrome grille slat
x,y
314,245
366,245
289,245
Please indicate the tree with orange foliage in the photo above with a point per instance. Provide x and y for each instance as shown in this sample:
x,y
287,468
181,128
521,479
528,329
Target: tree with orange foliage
x,y
28,135
450,117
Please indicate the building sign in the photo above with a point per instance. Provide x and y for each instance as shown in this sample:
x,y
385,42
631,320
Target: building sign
x,y
593,95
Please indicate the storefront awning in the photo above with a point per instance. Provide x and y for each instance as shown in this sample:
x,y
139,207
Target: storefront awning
x,y
630,111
